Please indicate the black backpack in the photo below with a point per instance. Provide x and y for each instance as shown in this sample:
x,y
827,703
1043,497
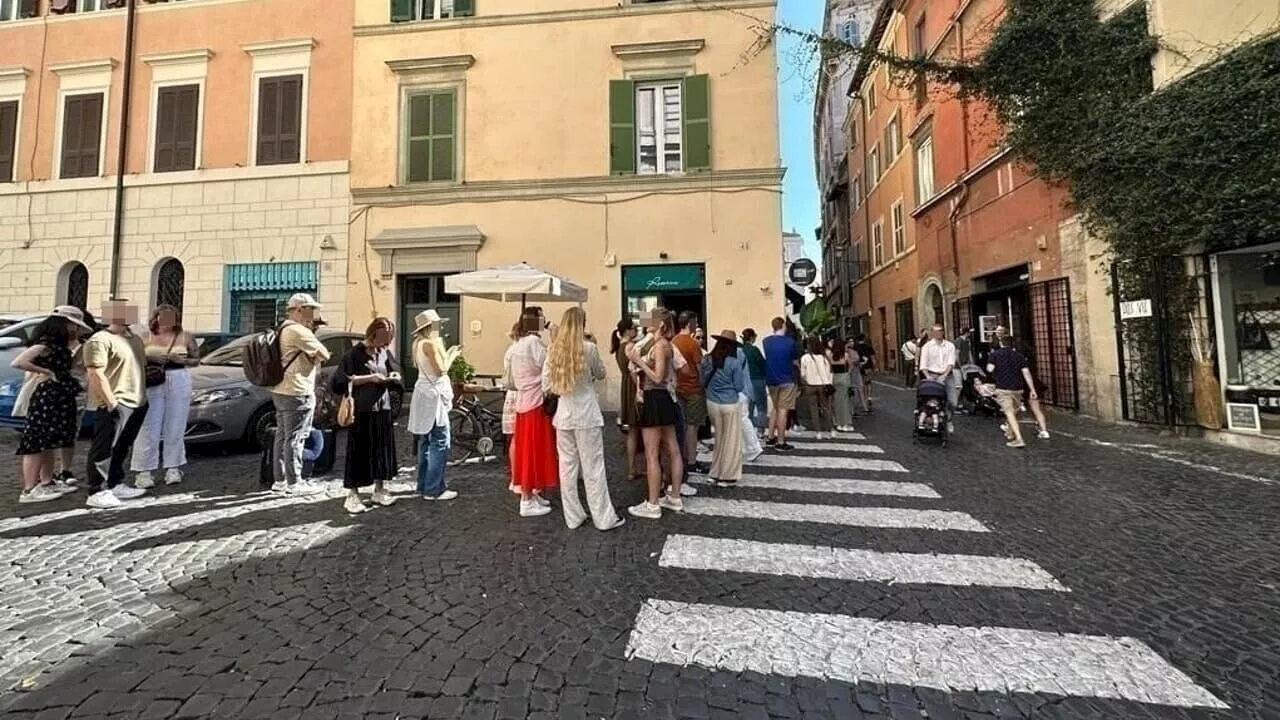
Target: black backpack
x,y
263,365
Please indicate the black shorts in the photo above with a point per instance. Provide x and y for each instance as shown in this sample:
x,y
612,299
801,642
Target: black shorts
x,y
658,409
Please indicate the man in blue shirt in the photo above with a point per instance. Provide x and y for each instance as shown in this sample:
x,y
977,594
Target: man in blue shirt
x,y
780,355
1008,368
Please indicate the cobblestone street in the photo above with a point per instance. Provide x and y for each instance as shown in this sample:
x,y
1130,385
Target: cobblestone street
x,y
1106,572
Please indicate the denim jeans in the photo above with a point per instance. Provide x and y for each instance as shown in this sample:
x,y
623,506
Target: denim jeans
x,y
759,409
293,425
433,453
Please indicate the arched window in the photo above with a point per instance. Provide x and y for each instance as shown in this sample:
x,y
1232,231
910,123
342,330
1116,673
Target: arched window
x,y
171,279
73,285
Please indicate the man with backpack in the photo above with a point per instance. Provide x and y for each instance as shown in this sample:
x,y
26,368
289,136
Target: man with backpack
x,y
291,357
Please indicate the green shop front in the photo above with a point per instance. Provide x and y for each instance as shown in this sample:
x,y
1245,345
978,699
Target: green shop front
x,y
256,293
675,287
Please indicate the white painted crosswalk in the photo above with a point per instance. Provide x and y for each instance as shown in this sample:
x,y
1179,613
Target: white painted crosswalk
x,y
855,649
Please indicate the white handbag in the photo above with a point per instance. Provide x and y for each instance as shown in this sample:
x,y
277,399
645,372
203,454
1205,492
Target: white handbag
x,y
23,402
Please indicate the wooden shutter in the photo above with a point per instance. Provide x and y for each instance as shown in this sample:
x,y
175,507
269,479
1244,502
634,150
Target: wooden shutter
x,y
176,126
8,140
81,135
464,8
696,101
401,10
432,137
622,127
279,120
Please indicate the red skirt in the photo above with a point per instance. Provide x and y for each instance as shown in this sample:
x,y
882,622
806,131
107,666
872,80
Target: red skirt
x,y
536,465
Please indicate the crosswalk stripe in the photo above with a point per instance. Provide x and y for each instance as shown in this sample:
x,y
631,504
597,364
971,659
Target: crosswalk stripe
x,y
813,435
879,517
849,448
839,486
946,657
825,462
693,552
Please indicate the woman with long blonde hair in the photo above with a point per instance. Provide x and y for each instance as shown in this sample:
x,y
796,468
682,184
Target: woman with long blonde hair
x,y
430,404
572,369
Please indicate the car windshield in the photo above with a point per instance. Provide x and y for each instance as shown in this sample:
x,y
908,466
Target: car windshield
x,y
231,354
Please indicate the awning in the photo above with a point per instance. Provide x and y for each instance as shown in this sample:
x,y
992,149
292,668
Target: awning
x,y
272,276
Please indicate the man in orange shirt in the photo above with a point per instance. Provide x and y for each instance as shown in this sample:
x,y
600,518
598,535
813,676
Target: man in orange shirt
x,y
689,391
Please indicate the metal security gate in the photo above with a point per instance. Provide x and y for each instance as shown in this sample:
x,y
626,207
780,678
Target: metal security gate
x,y
1053,337
905,316
1161,306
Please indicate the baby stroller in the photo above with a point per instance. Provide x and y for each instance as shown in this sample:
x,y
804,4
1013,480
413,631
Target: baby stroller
x,y
931,411
978,392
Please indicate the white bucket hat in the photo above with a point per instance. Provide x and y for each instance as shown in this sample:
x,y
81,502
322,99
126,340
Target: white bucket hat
x,y
71,314
302,300
425,318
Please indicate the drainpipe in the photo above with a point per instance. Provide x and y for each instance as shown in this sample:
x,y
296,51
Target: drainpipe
x,y
123,149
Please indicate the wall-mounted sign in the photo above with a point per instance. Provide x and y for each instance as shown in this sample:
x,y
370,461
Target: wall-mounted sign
x,y
1131,309
987,325
1243,416
662,278
802,272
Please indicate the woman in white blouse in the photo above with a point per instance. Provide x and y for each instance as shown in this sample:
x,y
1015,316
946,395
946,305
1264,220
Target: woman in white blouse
x,y
572,368
430,404
818,387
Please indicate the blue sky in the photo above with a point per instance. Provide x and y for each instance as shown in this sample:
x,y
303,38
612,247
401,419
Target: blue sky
x,y
800,208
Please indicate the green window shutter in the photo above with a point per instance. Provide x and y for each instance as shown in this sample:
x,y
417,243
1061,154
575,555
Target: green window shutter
x,y
696,101
464,8
401,10
431,137
622,127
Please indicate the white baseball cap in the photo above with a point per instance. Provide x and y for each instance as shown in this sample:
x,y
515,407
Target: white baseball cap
x,y
302,300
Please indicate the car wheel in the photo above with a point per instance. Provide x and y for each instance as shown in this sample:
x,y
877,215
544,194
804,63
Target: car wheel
x,y
262,421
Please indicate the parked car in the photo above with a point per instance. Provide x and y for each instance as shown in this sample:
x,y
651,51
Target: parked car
x,y
207,342
225,407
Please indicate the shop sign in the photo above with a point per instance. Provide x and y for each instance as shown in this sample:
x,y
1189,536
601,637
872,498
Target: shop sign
x,y
662,278
802,272
1243,416
1131,309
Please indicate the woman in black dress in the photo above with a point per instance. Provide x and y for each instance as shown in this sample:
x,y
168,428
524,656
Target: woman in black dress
x,y
51,411
368,372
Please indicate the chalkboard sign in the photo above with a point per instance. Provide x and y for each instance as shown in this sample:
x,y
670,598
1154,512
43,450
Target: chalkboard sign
x,y
1241,416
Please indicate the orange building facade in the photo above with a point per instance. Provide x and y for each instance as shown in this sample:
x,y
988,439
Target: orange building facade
x,y
236,186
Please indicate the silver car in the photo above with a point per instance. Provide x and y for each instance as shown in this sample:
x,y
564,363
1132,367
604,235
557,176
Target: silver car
x,y
225,407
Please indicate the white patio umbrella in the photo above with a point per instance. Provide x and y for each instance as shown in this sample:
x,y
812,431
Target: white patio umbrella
x,y
507,282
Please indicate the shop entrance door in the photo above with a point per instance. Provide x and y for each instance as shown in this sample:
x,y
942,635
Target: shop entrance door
x,y
676,288
905,314
1053,337
418,293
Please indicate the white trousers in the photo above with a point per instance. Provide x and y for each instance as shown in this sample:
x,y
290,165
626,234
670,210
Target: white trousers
x,y
165,423
582,451
750,441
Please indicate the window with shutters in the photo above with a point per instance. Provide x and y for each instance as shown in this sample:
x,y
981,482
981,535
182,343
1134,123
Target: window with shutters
x,y
898,217
892,140
177,127
279,139
431,136
924,169
408,10
659,127
80,154
877,243
873,166
8,140
659,146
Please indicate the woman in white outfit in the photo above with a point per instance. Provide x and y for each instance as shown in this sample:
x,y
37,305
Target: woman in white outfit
x,y
572,368
170,351
430,405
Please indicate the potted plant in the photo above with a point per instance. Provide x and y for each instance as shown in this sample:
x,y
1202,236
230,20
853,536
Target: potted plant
x,y
460,373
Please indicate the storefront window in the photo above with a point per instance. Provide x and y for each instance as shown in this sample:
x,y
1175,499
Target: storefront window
x,y
1248,299
674,287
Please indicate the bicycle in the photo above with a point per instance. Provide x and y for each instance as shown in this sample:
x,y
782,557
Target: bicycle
x,y
475,431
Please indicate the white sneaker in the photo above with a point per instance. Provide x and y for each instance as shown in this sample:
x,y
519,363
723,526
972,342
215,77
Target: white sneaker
x,y
671,503
144,480
645,509
530,508
353,505
103,499
1004,428
383,498
124,492
38,494
687,490
306,487
537,497
1043,435
951,428
755,455
172,476
279,486
446,495
60,487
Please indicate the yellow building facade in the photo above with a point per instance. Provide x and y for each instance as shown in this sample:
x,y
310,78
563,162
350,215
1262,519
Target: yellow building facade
x,y
631,147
